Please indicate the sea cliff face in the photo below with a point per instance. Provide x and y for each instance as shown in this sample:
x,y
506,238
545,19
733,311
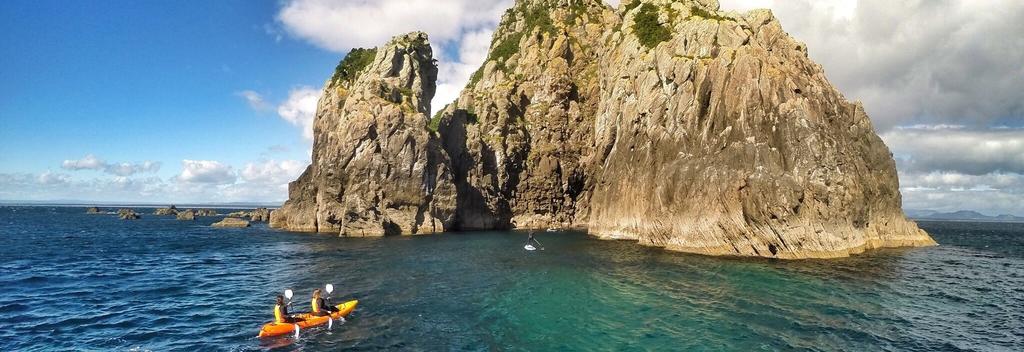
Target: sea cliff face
x,y
376,168
669,123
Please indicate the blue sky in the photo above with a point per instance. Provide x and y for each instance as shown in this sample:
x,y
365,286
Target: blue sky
x,y
154,82
212,101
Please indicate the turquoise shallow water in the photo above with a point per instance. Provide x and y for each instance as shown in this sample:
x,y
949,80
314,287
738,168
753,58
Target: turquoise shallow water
x,y
71,281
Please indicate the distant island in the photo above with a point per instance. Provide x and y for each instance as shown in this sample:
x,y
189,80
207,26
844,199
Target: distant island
x,y
961,215
669,123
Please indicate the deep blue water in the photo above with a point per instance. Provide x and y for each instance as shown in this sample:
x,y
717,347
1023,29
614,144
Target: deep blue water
x,y
71,281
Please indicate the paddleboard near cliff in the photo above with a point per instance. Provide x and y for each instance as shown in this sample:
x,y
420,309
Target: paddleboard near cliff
x,y
668,123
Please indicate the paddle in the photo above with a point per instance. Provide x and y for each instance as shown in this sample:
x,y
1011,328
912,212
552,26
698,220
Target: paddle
x,y
288,294
330,321
538,243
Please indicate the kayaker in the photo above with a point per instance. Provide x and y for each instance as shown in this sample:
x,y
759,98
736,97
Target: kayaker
x,y
320,306
533,241
281,312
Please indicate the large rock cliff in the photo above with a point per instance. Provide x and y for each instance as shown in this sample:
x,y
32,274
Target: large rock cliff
x,y
670,123
376,168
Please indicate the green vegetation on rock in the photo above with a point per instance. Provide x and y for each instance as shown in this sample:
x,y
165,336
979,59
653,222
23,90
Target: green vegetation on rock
x,y
349,67
435,122
696,11
536,17
632,5
648,29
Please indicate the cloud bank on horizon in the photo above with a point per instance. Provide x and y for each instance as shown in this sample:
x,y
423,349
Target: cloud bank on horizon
x,y
942,81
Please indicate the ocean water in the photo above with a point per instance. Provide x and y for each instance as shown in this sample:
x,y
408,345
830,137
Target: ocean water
x,y
71,281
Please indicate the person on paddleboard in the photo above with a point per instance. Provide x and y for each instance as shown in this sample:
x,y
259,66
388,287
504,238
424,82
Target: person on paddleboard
x,y
281,312
531,241
320,306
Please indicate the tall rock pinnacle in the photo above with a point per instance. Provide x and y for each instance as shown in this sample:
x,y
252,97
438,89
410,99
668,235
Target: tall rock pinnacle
x,y
376,169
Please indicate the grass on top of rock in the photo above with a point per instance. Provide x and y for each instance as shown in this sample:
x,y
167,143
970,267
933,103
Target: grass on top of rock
x,y
697,11
536,16
648,29
632,5
349,67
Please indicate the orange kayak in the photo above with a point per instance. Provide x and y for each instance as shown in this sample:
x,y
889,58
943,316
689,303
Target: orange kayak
x,y
306,321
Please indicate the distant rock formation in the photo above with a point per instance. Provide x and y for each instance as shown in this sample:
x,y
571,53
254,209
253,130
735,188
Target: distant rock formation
x,y
669,123
259,214
206,212
231,222
187,215
962,215
93,210
172,210
127,214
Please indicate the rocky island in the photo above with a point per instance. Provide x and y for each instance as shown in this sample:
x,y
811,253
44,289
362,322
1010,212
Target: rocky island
x,y
669,123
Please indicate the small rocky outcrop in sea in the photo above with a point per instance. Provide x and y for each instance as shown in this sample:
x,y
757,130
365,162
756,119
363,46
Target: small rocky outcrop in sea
x,y
665,122
259,214
93,210
172,210
127,214
231,222
206,212
187,215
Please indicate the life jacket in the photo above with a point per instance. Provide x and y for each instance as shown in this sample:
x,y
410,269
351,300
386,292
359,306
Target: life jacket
x,y
278,313
316,305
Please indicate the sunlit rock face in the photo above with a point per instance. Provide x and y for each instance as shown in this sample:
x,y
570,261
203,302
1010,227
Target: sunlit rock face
x,y
376,169
669,123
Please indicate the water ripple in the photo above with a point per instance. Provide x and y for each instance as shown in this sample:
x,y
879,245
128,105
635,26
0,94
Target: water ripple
x,y
161,284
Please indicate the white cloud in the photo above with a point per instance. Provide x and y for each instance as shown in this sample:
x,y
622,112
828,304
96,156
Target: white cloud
x,y
50,178
300,108
206,172
973,152
462,27
949,168
345,24
993,193
454,73
91,162
272,172
254,99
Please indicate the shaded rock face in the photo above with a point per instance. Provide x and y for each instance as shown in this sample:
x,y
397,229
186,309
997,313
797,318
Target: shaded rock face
x,y
665,122
231,222
376,169
93,210
520,135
